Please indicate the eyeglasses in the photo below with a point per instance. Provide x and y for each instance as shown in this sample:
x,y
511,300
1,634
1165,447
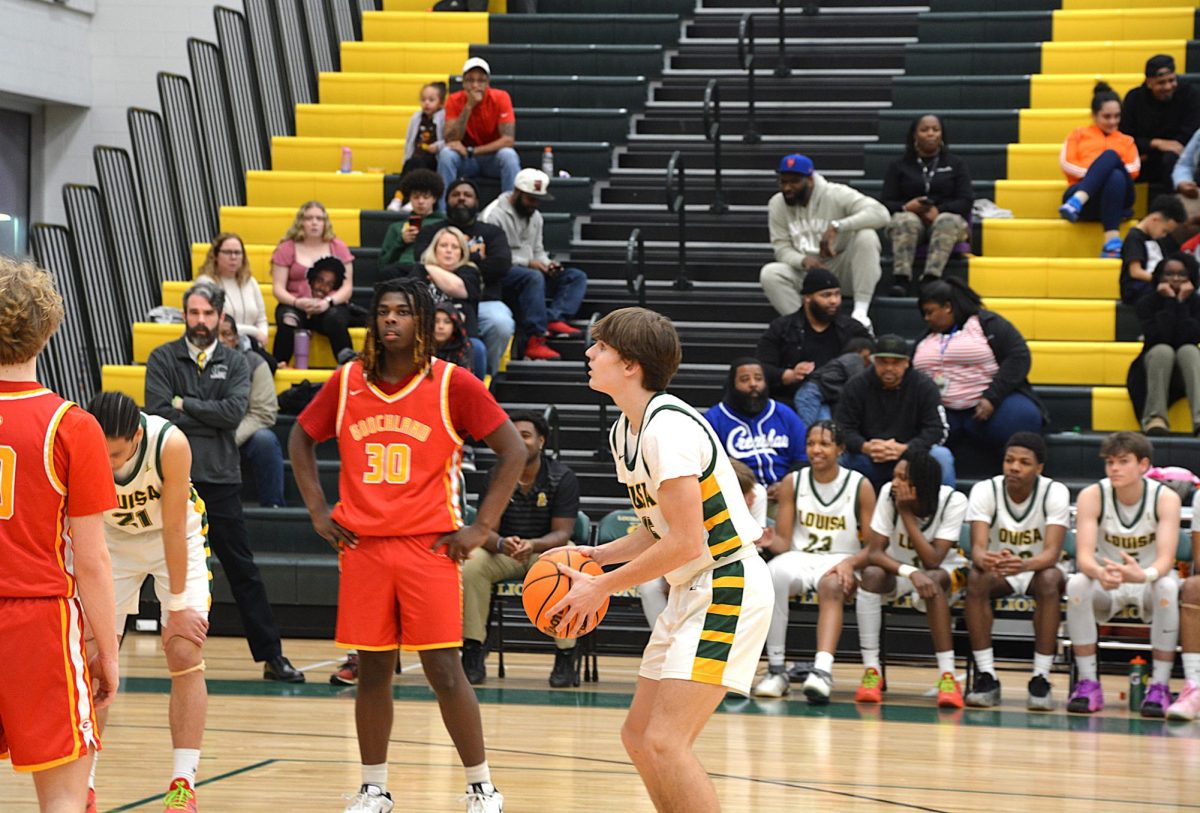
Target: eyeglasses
x,y
230,252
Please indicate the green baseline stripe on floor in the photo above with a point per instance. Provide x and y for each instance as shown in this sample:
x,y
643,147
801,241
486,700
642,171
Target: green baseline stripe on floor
x,y
1057,720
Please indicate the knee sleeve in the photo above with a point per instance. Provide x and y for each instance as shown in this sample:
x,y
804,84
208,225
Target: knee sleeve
x,y
868,608
1081,612
199,667
1164,618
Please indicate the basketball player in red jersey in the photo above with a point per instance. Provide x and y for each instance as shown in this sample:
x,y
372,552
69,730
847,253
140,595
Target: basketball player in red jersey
x,y
54,565
399,416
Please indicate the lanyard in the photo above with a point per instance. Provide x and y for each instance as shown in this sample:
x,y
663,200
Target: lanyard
x,y
927,170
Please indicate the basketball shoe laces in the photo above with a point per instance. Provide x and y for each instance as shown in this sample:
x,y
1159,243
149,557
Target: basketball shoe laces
x,y
179,796
871,678
946,683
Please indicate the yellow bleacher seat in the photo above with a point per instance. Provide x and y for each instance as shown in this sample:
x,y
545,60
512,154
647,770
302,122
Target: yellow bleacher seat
x,y
1112,57
284,379
149,335
1076,5
494,6
352,190
1051,125
131,379
312,154
423,26
1071,90
1121,24
267,225
1096,363
172,291
407,57
355,121
259,257
1043,277
1112,411
1042,198
1034,162
374,88
1028,237
1088,320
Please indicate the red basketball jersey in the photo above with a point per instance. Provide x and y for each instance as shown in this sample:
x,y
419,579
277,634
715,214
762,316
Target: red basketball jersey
x,y
49,448
400,454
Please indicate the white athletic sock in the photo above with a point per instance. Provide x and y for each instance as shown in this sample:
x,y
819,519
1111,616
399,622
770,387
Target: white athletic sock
x,y
824,662
96,756
478,774
985,660
1160,672
868,607
1085,665
187,761
945,662
860,310
1042,664
775,657
376,775
1191,671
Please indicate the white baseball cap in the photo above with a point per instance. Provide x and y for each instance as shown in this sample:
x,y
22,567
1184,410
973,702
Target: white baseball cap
x,y
476,62
533,182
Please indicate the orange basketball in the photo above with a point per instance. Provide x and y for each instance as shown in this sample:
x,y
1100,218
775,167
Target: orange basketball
x,y
545,587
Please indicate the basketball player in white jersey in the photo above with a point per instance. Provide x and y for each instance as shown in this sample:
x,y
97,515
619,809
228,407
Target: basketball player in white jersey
x,y
913,550
158,529
1126,533
697,531
1187,705
823,510
1018,522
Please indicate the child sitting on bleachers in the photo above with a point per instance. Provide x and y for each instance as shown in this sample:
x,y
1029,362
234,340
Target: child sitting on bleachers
x,y
1146,244
425,129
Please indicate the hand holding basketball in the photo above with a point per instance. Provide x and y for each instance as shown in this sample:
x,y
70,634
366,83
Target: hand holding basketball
x,y
564,579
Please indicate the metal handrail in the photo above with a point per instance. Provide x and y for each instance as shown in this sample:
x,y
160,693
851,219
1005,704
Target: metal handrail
x,y
601,451
745,50
712,132
550,416
635,266
781,66
675,205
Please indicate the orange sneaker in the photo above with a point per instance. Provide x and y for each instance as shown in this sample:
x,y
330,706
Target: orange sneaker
x,y
871,688
180,796
949,692
91,802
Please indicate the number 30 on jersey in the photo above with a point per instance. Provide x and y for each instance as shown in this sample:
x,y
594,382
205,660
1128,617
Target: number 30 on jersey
x,y
387,463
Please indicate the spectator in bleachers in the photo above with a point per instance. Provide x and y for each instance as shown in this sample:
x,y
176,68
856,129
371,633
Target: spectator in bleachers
x,y
1146,244
817,398
259,447
540,515
309,239
490,253
533,273
426,129
480,130
755,429
1100,163
447,267
1161,114
1170,360
1183,179
816,223
928,191
793,346
203,387
226,265
980,364
421,190
452,342
891,408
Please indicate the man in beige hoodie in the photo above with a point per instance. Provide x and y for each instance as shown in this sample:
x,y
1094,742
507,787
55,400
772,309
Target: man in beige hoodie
x,y
814,222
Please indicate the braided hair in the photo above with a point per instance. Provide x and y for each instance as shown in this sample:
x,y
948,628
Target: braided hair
x,y
117,414
925,476
421,302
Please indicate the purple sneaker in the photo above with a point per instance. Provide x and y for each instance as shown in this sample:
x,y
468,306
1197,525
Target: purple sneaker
x,y
1086,697
1158,697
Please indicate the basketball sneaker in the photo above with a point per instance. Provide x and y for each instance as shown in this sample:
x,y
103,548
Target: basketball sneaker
x,y
180,796
1086,697
775,684
1158,697
91,801
817,687
347,673
370,799
985,693
1039,698
949,694
871,688
482,797
1188,704
560,328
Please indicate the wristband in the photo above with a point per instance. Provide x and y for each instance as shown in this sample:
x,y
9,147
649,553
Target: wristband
x,y
176,602
906,571
1151,574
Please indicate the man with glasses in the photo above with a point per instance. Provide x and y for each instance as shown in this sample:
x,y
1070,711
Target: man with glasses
x,y
480,131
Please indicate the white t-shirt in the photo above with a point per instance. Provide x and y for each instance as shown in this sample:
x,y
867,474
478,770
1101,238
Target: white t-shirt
x,y
1019,527
946,523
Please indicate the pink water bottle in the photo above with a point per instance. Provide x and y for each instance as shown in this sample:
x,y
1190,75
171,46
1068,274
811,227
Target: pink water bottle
x,y
347,160
300,350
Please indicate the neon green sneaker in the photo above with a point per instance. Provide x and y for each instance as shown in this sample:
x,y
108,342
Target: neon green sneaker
x,y
180,796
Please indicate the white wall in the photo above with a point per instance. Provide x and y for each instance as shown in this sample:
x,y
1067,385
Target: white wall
x,y
80,65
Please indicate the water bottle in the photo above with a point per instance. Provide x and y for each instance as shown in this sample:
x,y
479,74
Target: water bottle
x,y
300,350
548,162
1139,676
347,160
397,203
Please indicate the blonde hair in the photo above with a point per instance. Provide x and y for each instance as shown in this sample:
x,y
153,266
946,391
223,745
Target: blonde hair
x,y
209,268
296,230
430,255
30,310
646,337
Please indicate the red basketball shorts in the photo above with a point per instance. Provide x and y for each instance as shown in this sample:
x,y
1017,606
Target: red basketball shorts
x,y
46,713
395,592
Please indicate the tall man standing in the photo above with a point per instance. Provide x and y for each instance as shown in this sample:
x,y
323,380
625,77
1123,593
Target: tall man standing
x,y
480,130
203,388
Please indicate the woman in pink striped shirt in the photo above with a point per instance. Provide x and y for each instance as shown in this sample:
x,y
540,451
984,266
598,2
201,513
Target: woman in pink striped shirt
x,y
980,363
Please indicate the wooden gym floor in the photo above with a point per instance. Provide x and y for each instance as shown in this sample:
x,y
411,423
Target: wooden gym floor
x,y
270,747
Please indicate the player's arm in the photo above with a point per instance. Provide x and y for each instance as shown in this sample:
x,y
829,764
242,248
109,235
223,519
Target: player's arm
x,y
1166,540
981,557
559,535
93,575
1087,527
506,442
176,460
302,451
1052,546
785,515
876,544
930,552
623,549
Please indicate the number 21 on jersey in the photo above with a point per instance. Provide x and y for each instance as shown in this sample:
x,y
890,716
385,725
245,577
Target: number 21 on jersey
x,y
8,479
387,463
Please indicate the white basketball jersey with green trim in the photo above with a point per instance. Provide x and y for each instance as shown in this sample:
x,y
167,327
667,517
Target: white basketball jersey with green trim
x,y
139,488
1137,537
675,441
946,523
827,527
1023,531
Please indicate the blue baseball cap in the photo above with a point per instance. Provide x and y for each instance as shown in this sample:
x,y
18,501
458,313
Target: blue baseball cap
x,y
796,163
